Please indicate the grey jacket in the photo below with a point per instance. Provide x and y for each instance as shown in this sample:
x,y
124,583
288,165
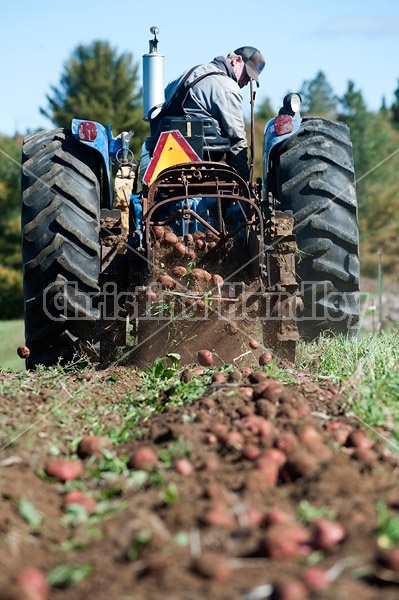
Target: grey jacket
x,y
220,98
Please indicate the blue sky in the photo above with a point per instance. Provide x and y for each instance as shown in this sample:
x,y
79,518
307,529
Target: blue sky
x,y
347,39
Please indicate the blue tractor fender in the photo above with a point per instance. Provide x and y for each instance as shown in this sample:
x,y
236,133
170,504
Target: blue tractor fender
x,y
271,139
109,148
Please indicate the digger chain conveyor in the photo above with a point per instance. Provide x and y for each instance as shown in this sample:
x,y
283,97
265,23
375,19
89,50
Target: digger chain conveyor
x,y
255,301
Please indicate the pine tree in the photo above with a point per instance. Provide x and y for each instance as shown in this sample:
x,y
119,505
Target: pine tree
x,y
395,109
101,86
318,97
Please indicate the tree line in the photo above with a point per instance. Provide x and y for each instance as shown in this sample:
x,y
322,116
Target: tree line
x,y
99,84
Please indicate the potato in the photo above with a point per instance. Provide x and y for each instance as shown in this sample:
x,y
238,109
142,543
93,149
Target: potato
x,y
80,497
180,249
309,435
201,275
253,344
170,238
64,469
389,558
251,452
143,458
23,351
265,359
219,515
184,467
269,470
284,541
179,271
158,232
315,578
327,534
290,590
205,358
217,280
92,445
167,282
358,439
33,580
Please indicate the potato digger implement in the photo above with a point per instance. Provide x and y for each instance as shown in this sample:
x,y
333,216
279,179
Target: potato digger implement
x,y
129,260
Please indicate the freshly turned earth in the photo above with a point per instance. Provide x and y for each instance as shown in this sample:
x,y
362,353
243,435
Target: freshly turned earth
x,y
208,505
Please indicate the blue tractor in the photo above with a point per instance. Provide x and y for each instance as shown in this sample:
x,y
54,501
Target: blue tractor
x,y
128,260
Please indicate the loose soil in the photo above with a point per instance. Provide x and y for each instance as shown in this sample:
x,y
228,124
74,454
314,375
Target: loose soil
x,y
196,521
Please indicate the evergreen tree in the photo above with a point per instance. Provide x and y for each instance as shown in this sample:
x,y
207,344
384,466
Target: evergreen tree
x,y
101,86
265,111
11,303
355,115
318,97
395,109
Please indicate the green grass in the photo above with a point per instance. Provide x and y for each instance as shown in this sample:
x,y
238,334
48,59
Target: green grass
x,y
11,336
366,369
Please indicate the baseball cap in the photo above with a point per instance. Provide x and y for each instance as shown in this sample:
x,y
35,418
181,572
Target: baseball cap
x,y
253,59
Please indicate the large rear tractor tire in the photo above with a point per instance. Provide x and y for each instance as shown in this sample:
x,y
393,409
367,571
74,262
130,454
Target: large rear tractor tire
x,y
60,246
315,179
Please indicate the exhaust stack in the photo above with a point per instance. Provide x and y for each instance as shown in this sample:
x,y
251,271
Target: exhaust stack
x,y
153,85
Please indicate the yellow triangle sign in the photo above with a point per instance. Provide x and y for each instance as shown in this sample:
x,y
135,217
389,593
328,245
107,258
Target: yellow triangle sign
x,y
171,149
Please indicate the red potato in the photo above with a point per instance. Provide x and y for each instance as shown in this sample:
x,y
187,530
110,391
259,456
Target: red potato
x,y
64,469
92,445
253,344
184,467
285,541
327,534
389,558
301,463
358,439
205,358
246,392
269,470
254,516
200,244
277,515
167,282
180,249
219,515
234,439
23,351
201,275
80,497
217,280
309,435
158,232
170,238
179,271
265,359
33,580
251,452
315,579
211,565
143,458
287,442
290,590
218,378
275,455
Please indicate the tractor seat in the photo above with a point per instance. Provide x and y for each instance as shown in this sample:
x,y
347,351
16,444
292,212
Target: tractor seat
x,y
201,134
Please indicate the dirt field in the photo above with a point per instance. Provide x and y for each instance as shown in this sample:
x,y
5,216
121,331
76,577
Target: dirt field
x,y
256,489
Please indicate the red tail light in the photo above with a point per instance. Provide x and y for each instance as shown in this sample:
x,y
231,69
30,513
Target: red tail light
x,y
283,124
87,131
